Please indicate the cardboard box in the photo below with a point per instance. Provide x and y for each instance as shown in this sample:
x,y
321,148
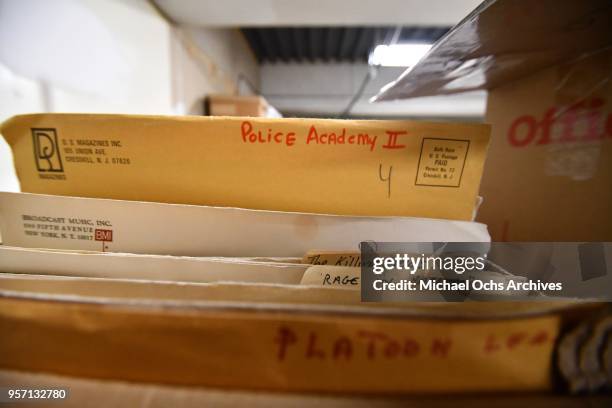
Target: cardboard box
x,y
234,105
548,68
549,173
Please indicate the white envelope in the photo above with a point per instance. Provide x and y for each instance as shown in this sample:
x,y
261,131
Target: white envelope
x,y
46,221
147,267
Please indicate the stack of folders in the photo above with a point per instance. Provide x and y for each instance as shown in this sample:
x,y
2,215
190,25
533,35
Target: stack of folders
x,y
198,250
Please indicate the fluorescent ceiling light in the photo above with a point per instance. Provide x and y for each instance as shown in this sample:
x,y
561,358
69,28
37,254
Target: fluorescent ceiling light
x,y
398,55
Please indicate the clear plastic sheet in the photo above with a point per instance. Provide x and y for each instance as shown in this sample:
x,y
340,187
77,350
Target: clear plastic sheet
x,y
504,40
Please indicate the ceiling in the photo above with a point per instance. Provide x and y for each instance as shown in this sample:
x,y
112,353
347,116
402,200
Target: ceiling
x,y
330,44
285,13
313,54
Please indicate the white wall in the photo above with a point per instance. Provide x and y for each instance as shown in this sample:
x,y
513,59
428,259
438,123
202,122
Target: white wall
x,y
89,55
215,60
117,56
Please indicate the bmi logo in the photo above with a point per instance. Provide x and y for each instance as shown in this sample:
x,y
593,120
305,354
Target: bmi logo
x,y
47,150
104,235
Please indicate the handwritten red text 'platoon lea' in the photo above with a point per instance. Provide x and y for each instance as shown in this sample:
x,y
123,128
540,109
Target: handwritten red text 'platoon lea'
x,y
377,345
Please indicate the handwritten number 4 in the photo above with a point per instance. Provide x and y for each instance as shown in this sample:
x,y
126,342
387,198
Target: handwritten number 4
x,y
387,179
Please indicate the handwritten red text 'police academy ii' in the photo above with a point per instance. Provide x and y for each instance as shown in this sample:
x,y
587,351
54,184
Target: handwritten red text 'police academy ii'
x,y
390,138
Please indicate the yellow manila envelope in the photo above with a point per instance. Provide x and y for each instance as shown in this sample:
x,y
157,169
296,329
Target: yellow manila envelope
x,y
46,221
288,350
349,167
